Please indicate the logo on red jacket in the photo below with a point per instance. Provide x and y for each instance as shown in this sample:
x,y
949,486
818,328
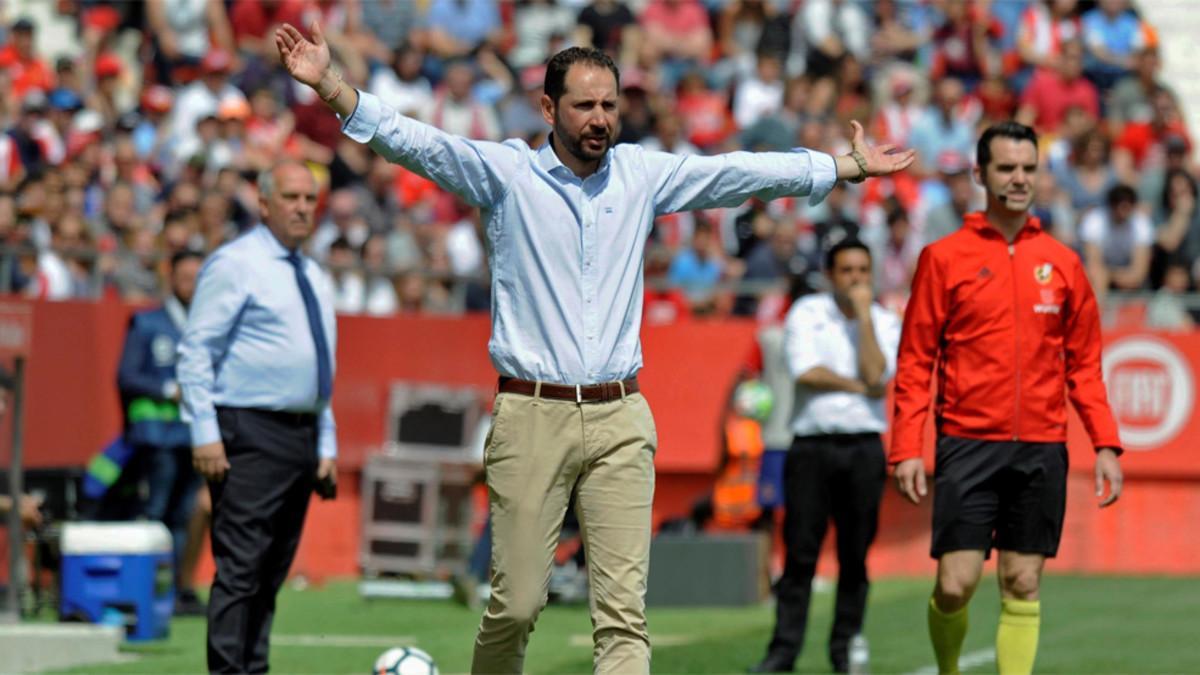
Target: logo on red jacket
x,y
1150,388
1043,273
1050,303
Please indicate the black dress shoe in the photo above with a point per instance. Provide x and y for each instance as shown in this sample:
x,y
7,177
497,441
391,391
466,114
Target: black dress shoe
x,y
774,664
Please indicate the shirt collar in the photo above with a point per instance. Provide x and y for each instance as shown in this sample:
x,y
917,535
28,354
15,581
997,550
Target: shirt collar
x,y
268,239
548,160
979,221
835,312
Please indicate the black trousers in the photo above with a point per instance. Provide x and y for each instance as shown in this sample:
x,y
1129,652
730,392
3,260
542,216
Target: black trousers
x,y
257,514
834,476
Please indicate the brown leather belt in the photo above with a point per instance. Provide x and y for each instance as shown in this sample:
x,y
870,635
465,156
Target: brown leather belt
x,y
582,393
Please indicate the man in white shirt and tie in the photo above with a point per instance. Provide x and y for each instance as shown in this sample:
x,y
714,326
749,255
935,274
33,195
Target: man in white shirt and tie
x,y
256,367
841,351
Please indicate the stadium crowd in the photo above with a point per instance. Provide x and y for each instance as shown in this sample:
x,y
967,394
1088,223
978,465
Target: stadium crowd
x,y
133,131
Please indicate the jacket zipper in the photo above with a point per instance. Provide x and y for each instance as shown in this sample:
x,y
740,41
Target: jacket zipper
x,y
1012,259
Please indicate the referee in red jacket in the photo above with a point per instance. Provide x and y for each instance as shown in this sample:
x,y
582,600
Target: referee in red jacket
x,y
1005,315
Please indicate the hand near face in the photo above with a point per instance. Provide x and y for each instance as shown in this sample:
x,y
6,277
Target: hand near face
x,y
861,296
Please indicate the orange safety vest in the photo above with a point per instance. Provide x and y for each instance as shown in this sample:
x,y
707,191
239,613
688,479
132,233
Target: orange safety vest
x,y
735,495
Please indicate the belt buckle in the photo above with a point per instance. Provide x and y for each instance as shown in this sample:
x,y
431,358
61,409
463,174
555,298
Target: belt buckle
x,y
578,394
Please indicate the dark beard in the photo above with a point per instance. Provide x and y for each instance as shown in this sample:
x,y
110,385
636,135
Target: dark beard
x,y
574,145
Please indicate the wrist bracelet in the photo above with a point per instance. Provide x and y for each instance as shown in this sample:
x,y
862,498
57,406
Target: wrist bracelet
x,y
862,166
336,91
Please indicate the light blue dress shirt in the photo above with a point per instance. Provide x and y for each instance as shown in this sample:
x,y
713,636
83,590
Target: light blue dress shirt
x,y
247,342
566,253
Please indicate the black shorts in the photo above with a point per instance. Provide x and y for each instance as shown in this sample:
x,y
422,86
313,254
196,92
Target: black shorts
x,y
1008,494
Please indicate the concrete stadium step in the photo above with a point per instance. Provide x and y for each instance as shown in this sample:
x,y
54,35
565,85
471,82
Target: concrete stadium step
x,y
37,647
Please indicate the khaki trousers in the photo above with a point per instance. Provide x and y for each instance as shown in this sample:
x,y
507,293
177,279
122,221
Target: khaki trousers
x,y
538,452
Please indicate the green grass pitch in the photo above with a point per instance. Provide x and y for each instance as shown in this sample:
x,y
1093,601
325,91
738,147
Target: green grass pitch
x,y
1089,625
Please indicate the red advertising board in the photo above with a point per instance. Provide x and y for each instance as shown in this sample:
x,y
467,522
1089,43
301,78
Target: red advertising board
x,y
1151,379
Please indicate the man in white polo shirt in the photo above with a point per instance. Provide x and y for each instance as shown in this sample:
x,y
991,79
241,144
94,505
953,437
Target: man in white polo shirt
x,y
841,351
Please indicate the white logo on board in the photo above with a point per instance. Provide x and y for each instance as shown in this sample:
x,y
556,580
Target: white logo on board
x,y
1150,388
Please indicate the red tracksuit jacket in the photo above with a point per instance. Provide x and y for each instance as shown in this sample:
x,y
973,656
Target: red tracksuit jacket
x,y
1013,330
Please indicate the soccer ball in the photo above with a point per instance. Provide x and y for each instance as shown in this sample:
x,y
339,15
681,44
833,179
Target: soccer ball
x,y
753,399
405,661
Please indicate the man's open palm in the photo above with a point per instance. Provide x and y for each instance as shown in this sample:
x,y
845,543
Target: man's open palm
x,y
306,61
881,160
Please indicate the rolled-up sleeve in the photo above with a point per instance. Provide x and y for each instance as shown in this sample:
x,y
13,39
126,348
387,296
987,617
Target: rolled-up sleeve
x,y
214,312
477,171
687,182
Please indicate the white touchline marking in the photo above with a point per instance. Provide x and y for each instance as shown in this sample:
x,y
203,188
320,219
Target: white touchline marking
x,y
581,640
343,640
967,661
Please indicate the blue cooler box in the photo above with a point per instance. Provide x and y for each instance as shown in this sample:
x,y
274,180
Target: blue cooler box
x,y
119,573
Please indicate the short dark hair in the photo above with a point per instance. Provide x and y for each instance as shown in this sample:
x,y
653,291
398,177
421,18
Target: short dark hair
x,y
1121,194
185,254
1168,201
178,215
896,215
560,63
847,244
1009,129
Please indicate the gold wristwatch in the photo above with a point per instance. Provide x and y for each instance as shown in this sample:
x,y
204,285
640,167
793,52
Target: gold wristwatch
x,y
862,166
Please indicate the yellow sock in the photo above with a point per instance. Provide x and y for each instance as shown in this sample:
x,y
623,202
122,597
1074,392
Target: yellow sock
x,y
946,632
1017,636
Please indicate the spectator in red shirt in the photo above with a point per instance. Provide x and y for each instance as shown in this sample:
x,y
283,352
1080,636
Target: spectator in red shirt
x,y
678,36
268,128
254,21
1141,144
705,113
963,44
997,100
25,70
1053,91
663,303
1044,27
107,96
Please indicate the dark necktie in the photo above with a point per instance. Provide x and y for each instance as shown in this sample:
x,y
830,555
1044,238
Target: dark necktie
x,y
313,310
